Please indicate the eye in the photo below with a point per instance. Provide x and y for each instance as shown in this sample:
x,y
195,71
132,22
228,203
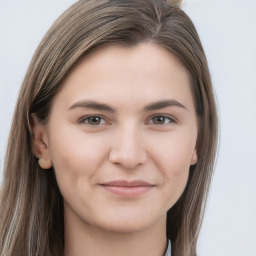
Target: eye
x,y
161,120
93,120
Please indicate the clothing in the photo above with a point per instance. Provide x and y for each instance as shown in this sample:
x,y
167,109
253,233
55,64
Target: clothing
x,y
168,251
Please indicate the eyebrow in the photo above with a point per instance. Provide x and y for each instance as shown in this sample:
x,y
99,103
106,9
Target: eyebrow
x,y
93,105
105,107
163,104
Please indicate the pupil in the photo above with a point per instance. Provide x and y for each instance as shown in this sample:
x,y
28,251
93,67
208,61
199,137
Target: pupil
x,y
94,120
159,120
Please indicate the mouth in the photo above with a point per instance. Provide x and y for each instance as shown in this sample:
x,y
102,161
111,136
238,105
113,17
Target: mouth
x,y
128,188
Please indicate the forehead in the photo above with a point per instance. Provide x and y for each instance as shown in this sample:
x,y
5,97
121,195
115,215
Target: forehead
x,y
144,72
144,56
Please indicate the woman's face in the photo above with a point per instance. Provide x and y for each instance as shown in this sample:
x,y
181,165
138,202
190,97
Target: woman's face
x,y
121,136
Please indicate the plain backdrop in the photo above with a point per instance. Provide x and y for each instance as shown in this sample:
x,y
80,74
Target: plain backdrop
x,y
228,33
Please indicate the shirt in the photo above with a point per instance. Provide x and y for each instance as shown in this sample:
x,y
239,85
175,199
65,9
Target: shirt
x,y
168,251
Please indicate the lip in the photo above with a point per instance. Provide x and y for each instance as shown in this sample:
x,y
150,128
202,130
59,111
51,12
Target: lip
x,y
128,188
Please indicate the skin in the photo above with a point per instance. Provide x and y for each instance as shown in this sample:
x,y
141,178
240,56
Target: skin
x,y
135,140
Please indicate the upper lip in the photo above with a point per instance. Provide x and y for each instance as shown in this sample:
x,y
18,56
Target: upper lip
x,y
125,183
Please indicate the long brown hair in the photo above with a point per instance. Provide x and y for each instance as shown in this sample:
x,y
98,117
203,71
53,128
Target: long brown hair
x,y
31,206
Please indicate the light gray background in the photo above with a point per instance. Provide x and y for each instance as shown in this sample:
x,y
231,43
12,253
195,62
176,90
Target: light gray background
x,y
228,31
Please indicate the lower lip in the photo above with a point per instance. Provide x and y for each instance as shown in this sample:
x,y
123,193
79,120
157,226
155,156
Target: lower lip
x,y
128,191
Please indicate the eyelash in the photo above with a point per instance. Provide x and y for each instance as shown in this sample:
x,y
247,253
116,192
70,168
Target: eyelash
x,y
85,120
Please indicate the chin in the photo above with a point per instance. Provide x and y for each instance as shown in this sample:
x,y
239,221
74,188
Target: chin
x,y
129,223
125,227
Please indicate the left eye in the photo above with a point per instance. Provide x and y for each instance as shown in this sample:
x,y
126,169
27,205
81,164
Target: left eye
x,y
94,120
160,120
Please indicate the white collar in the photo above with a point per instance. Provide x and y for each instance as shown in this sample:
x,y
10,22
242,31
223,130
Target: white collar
x,y
169,251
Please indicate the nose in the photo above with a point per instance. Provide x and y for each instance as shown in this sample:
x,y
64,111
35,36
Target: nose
x,y
128,149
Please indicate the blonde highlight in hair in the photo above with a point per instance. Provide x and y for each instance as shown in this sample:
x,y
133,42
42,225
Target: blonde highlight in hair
x,y
31,206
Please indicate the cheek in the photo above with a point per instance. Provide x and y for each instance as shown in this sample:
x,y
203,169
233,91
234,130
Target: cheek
x,y
173,158
76,156
174,154
175,170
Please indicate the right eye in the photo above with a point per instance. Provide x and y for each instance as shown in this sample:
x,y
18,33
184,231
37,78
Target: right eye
x,y
93,120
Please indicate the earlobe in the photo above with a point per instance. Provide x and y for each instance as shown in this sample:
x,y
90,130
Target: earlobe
x,y
194,157
41,152
40,143
45,163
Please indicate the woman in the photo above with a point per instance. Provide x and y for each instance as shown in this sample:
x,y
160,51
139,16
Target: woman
x,y
113,140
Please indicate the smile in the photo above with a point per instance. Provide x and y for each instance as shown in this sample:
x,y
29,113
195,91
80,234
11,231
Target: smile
x,y
128,189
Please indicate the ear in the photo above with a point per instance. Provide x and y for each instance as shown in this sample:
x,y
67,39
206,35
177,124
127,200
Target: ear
x,y
194,157
40,145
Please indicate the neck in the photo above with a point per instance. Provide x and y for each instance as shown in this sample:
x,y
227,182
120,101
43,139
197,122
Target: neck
x,y
82,239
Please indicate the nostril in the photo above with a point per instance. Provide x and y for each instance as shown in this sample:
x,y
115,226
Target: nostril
x,y
127,160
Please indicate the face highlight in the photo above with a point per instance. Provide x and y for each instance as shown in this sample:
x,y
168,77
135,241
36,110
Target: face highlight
x,y
122,136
